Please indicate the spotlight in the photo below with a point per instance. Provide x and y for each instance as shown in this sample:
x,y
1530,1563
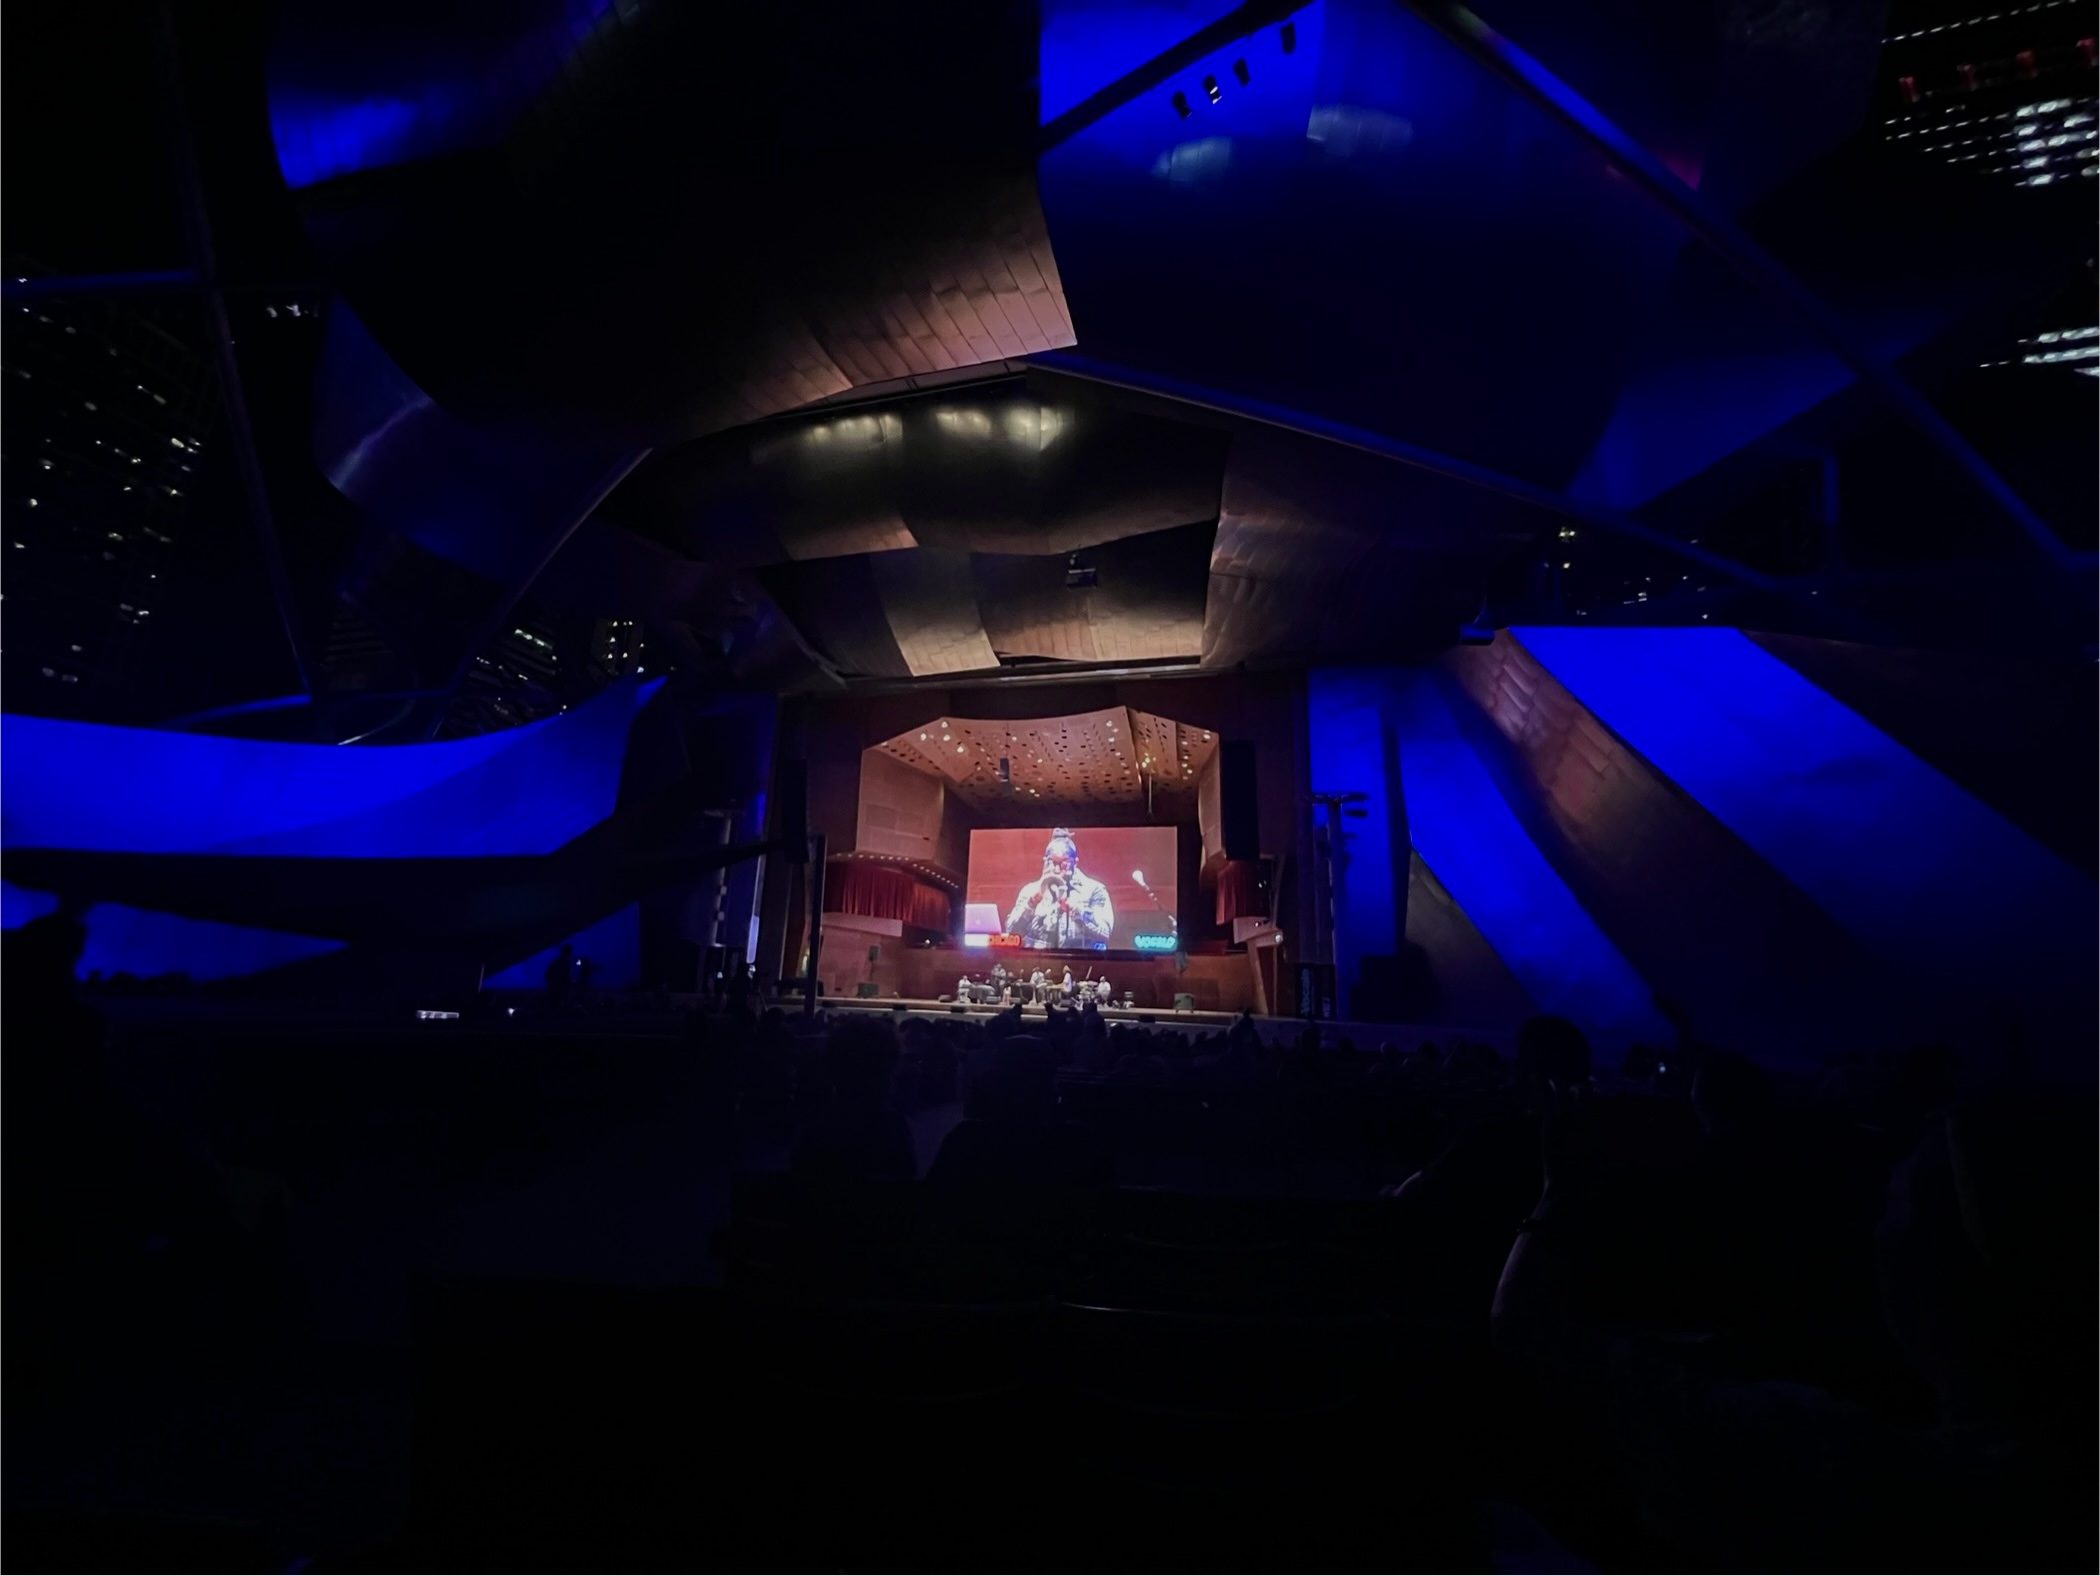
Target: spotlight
x,y
1289,36
1181,105
1210,86
1240,72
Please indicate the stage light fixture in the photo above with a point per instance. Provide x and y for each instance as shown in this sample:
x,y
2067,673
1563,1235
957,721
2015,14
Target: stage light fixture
x,y
1181,105
1210,87
1240,72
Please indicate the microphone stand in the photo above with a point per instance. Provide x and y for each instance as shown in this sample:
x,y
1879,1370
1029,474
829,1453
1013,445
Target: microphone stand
x,y
1172,923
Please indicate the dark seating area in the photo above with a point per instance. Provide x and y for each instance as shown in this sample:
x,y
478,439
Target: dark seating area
x,y
870,1435
746,1360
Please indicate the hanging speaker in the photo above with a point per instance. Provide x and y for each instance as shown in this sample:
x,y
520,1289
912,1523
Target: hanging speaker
x,y
1239,815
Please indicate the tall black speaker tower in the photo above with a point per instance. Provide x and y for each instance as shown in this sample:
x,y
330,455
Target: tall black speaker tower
x,y
791,812
1239,813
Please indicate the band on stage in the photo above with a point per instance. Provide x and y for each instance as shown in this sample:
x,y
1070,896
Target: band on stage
x,y
1039,988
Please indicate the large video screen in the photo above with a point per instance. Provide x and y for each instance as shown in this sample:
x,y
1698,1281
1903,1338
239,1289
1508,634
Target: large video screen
x,y
1081,888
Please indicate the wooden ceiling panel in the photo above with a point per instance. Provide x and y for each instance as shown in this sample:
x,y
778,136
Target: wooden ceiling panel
x,y
931,604
1115,758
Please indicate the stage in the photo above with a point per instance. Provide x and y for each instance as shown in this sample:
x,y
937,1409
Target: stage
x,y
1364,1036
860,952
1156,1016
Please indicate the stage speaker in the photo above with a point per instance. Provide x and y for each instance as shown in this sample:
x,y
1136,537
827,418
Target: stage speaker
x,y
1239,815
791,812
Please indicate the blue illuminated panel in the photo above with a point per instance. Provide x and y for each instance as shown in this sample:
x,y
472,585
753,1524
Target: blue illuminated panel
x,y
1466,832
1152,943
342,102
613,945
1911,864
80,786
137,790
138,941
1087,44
1458,821
1087,47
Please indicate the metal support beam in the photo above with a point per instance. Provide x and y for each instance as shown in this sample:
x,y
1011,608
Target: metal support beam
x,y
196,228
1762,272
1311,426
816,922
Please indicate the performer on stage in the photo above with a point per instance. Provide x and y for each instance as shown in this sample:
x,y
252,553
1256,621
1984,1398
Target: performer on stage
x,y
1063,907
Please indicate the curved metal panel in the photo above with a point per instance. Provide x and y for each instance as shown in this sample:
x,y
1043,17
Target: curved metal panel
x,y
136,790
1371,230
639,221
1911,865
1329,552
485,500
1690,905
932,610
1146,603
1039,467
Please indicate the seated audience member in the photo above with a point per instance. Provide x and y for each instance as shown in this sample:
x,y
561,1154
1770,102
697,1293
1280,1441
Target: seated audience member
x,y
1983,1256
1424,1066
1476,1069
1493,1164
1472,1195
1011,1132
1775,1204
1736,1101
855,1133
1095,1052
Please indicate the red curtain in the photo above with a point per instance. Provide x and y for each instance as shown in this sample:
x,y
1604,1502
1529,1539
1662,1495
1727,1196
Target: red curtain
x,y
854,887
1239,891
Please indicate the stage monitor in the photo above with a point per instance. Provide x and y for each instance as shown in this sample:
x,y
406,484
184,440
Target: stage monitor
x,y
1116,886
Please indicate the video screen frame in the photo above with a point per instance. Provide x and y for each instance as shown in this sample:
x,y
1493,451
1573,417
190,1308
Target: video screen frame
x,y
1073,889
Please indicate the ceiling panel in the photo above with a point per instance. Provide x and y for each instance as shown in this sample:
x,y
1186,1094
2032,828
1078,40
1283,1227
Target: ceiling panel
x,y
1113,757
1146,603
1038,465
1324,551
931,604
834,603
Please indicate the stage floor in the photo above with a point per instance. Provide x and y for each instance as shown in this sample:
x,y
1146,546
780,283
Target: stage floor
x,y
1365,1036
1115,1014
